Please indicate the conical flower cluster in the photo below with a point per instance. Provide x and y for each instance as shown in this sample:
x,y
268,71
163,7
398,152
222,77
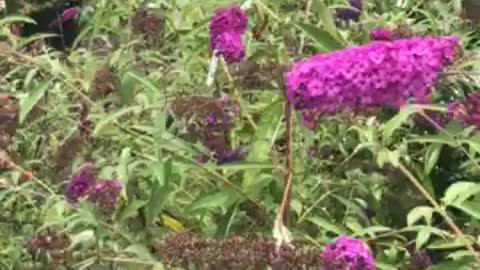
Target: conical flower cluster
x,y
380,73
226,30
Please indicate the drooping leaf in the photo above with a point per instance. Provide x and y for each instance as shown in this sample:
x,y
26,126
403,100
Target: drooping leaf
x,y
29,101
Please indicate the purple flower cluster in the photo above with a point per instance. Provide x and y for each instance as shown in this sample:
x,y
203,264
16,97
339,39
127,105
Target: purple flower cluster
x,y
467,111
84,184
347,254
81,183
226,30
377,74
106,193
349,14
378,34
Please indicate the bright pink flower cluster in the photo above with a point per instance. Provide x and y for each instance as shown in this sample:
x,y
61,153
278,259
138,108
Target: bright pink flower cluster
x,y
226,30
347,254
377,74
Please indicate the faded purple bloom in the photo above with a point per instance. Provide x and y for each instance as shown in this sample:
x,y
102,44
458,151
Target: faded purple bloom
x,y
211,120
81,183
106,193
377,74
238,154
349,14
70,13
229,44
226,30
347,254
378,34
67,15
467,111
312,153
232,19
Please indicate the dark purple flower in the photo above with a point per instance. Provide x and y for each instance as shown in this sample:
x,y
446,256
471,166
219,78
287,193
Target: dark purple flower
x,y
232,156
467,111
349,14
378,34
229,44
376,74
81,183
369,212
211,120
232,19
347,254
106,193
67,15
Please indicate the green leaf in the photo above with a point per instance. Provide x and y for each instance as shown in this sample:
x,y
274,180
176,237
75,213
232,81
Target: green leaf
x,y
471,208
442,139
122,170
326,41
218,199
431,157
107,120
422,237
29,101
159,189
447,244
397,121
459,192
327,225
418,212
86,238
325,14
132,209
141,251
16,19
264,138
127,87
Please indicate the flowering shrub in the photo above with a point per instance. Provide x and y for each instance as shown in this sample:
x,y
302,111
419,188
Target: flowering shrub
x,y
181,173
376,74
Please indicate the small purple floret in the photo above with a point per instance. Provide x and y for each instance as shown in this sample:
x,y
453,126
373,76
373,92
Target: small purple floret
x,y
347,254
81,183
349,14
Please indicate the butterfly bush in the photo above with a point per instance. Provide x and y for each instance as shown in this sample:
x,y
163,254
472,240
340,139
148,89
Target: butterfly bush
x,y
81,183
226,30
230,46
376,74
106,193
347,254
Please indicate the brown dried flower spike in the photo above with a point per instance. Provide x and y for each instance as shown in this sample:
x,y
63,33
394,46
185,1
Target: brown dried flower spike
x,y
148,24
104,84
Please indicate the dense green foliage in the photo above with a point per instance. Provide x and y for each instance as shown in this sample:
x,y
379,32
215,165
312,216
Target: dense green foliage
x,y
387,177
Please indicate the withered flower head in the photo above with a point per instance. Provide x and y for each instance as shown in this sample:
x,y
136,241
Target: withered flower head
x,y
52,244
104,84
236,253
206,120
148,24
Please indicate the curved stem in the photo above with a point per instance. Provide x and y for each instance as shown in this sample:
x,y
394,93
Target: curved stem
x,y
440,210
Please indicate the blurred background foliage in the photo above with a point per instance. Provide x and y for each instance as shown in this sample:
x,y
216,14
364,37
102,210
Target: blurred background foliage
x,y
131,60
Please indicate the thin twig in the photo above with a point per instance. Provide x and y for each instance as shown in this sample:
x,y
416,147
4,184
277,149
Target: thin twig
x,y
439,209
288,174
